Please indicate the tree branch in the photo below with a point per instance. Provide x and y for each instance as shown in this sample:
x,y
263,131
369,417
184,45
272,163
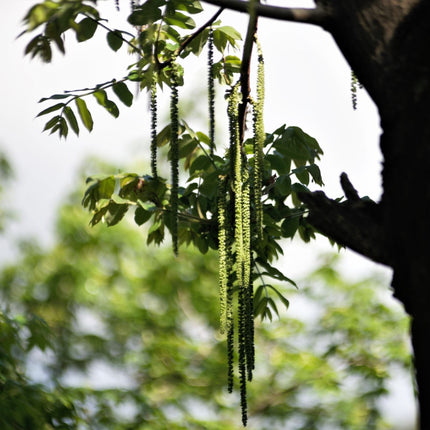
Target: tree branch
x,y
317,16
355,223
245,67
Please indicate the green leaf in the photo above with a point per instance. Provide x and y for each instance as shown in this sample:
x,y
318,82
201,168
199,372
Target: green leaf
x,y
84,113
209,187
285,302
114,39
223,35
115,213
135,76
290,225
120,200
63,128
123,93
38,15
51,109
201,243
147,206
98,216
55,97
71,119
283,185
147,13
109,105
141,215
272,304
202,162
98,194
273,272
279,163
86,29
302,175
315,172
156,233
203,138
299,188
197,44
41,46
52,122
295,144
53,31
180,20
190,6
106,188
260,304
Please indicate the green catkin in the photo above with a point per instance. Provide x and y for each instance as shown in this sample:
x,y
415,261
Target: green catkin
x,y
244,336
230,357
242,247
259,138
230,289
153,109
232,111
242,356
223,267
247,287
246,225
250,350
174,162
211,92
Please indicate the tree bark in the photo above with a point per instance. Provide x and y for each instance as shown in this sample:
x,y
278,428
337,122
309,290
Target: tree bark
x,y
387,44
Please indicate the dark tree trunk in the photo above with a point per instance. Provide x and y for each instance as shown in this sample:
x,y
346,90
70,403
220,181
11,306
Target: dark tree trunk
x,y
387,43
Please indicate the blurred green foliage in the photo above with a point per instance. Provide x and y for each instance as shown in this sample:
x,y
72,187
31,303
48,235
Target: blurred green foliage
x,y
103,332
5,177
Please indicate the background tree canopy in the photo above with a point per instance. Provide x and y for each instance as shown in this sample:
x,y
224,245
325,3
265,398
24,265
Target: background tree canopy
x,y
100,332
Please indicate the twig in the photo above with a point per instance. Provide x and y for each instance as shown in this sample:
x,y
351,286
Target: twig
x,y
192,36
110,30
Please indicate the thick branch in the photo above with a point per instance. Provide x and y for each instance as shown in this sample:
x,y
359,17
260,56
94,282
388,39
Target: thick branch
x,y
354,223
316,16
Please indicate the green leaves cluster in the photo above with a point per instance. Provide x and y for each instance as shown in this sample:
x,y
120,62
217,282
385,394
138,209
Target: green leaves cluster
x,y
161,31
24,403
55,19
290,156
66,117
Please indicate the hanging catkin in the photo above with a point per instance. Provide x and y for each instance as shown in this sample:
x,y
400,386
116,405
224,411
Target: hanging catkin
x,y
223,266
211,92
153,109
239,174
259,138
174,151
244,274
247,289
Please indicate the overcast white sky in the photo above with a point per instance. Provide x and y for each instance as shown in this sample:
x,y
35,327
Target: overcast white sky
x,y
308,85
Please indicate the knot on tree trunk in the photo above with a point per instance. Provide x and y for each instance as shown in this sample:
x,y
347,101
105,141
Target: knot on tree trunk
x,y
355,223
